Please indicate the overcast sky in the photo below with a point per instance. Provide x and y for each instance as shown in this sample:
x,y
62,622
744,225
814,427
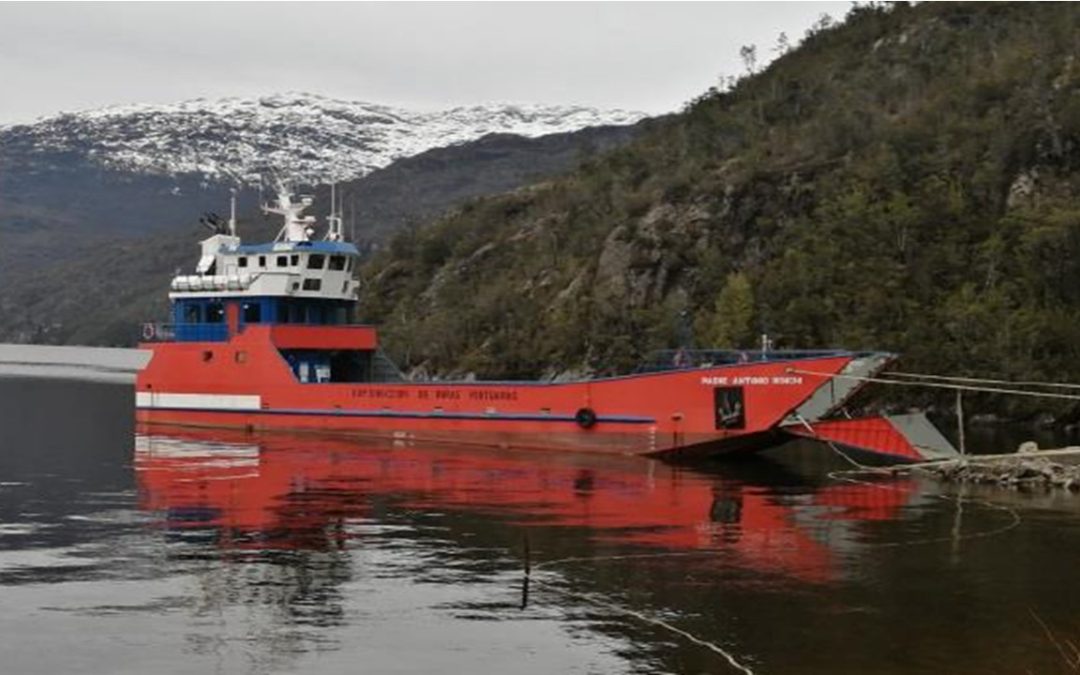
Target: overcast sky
x,y
642,56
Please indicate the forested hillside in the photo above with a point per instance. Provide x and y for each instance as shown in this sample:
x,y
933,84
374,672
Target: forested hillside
x,y
905,180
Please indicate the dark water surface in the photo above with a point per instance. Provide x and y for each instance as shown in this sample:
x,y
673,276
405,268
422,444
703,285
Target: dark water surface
x,y
175,551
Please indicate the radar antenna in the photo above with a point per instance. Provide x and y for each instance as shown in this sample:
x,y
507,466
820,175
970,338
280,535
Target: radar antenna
x,y
296,227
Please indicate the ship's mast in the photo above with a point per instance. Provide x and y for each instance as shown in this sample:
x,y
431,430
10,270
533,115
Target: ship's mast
x,y
333,221
232,211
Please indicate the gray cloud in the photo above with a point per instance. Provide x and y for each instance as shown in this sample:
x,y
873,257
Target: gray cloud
x,y
644,56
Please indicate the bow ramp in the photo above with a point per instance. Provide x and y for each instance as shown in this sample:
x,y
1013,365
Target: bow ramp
x,y
836,390
897,439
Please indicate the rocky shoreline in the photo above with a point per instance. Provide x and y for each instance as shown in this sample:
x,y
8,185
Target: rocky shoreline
x,y
1029,468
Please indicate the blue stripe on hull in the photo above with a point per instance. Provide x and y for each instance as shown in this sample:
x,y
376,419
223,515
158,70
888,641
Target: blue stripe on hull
x,y
495,417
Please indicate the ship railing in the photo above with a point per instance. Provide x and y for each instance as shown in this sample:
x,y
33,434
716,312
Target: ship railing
x,y
676,359
184,332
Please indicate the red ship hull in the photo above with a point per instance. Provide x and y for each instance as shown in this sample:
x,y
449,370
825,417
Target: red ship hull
x,y
246,383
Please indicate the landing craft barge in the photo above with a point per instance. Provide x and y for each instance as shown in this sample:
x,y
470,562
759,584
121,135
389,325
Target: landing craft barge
x,y
262,337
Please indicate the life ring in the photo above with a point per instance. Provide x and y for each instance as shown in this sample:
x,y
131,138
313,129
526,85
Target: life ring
x,y
148,331
585,418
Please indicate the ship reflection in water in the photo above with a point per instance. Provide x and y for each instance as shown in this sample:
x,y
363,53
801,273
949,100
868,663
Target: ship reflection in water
x,y
637,565
285,492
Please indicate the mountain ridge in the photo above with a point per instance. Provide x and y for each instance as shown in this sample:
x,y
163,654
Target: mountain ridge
x,y
299,137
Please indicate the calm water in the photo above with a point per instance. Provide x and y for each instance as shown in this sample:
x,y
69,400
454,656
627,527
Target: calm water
x,y
196,552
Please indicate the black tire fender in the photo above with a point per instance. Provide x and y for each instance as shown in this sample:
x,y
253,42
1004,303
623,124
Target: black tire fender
x,y
585,418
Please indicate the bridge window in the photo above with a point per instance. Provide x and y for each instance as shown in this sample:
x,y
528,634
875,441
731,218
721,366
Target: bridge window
x,y
192,314
215,313
315,261
294,260
312,284
282,261
337,262
242,261
348,265
262,261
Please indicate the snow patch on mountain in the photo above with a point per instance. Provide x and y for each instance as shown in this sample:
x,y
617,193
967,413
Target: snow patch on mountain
x,y
302,138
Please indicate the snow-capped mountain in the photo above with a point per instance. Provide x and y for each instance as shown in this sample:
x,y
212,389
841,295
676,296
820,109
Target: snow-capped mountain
x,y
302,138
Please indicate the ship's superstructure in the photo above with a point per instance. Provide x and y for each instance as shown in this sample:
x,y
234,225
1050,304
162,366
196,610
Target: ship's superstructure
x,y
295,280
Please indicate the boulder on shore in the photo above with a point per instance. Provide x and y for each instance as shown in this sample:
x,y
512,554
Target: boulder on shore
x,y
1016,472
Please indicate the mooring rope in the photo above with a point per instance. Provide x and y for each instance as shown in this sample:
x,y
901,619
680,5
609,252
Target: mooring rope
x,y
893,470
711,646
1014,516
837,450
939,385
982,380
